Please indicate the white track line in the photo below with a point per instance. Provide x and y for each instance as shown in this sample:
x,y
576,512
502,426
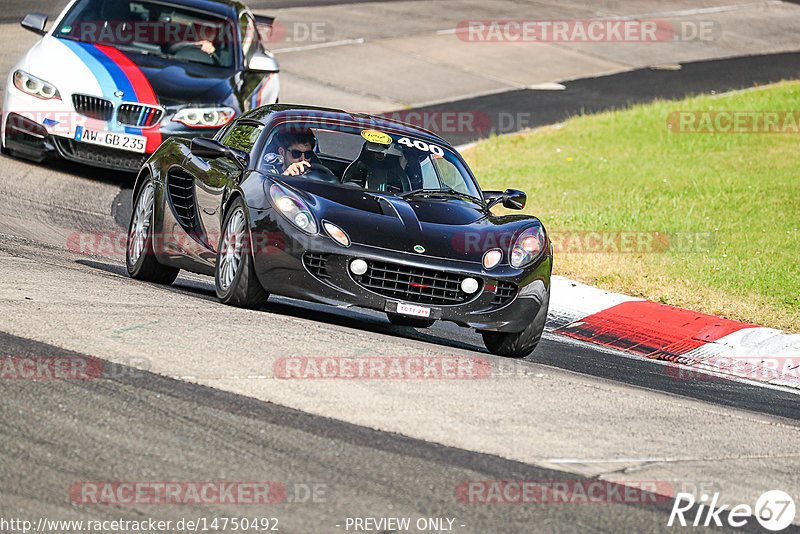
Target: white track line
x,y
318,45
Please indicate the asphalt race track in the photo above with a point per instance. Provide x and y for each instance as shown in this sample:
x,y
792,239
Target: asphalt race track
x,y
187,391
615,91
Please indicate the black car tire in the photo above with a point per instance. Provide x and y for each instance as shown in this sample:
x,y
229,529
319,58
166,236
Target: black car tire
x,y
518,344
413,322
244,290
145,266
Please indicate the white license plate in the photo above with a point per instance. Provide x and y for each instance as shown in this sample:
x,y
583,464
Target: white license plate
x,y
122,141
416,311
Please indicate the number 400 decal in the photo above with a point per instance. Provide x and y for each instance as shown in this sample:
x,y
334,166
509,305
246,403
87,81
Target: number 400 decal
x,y
422,145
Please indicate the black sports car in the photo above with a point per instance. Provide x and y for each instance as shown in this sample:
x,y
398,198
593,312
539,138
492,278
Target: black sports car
x,y
377,214
111,79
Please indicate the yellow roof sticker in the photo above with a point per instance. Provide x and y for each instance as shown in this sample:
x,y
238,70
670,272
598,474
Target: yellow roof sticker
x,y
374,136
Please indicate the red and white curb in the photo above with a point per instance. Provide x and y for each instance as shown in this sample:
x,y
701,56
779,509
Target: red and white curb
x,y
700,346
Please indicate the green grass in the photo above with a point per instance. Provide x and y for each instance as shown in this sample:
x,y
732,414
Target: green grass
x,y
625,170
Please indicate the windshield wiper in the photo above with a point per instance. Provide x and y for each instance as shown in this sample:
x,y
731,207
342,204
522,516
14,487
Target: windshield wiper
x,y
447,193
145,51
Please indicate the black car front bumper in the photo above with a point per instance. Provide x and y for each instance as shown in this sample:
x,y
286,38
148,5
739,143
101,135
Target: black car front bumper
x,y
315,268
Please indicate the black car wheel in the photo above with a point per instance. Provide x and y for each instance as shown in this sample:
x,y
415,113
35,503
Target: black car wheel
x,y
140,257
235,276
518,344
413,322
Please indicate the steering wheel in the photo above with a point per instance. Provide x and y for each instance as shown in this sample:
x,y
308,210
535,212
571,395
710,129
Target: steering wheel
x,y
177,47
322,173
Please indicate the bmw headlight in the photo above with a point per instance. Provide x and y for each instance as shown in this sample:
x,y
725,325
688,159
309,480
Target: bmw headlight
x,y
293,208
35,86
527,247
207,117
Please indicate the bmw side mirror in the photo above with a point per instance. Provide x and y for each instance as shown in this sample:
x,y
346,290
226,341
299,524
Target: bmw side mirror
x,y
35,22
510,198
263,63
207,148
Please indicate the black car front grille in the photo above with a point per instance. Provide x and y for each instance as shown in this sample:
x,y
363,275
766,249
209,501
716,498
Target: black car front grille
x,y
181,193
505,293
317,264
139,115
93,107
110,158
414,284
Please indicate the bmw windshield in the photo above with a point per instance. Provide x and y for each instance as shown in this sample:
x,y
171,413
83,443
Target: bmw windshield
x,y
152,28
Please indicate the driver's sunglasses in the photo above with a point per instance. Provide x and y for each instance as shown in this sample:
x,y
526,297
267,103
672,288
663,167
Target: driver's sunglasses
x,y
297,153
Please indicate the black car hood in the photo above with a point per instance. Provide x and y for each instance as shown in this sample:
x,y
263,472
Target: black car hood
x,y
179,82
449,228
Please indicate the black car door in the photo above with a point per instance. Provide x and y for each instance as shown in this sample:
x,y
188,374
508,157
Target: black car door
x,y
216,178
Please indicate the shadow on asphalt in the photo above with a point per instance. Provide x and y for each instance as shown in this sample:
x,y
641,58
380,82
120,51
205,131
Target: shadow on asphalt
x,y
366,320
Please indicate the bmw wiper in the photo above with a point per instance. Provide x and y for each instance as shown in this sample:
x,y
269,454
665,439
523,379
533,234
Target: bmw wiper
x,y
145,51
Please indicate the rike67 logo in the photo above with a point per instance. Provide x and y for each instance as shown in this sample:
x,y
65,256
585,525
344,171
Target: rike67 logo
x,y
774,510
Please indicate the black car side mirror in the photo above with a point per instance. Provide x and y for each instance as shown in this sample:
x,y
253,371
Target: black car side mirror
x,y
511,198
35,22
514,199
207,148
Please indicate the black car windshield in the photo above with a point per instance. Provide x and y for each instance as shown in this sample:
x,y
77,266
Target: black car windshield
x,y
371,159
152,28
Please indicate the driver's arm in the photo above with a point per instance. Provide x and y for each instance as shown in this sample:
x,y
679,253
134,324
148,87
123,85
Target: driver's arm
x,y
296,169
206,46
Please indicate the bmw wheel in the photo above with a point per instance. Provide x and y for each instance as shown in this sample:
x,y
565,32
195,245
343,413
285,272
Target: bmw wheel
x,y
518,344
140,257
235,275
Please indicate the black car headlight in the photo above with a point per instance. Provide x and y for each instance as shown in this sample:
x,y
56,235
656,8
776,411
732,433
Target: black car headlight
x,y
528,247
492,258
336,233
34,86
293,208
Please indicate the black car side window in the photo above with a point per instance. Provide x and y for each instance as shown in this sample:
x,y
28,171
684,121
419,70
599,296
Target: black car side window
x,y
243,137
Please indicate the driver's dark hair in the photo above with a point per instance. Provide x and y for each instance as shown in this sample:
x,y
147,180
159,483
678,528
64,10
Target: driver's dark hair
x,y
287,139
